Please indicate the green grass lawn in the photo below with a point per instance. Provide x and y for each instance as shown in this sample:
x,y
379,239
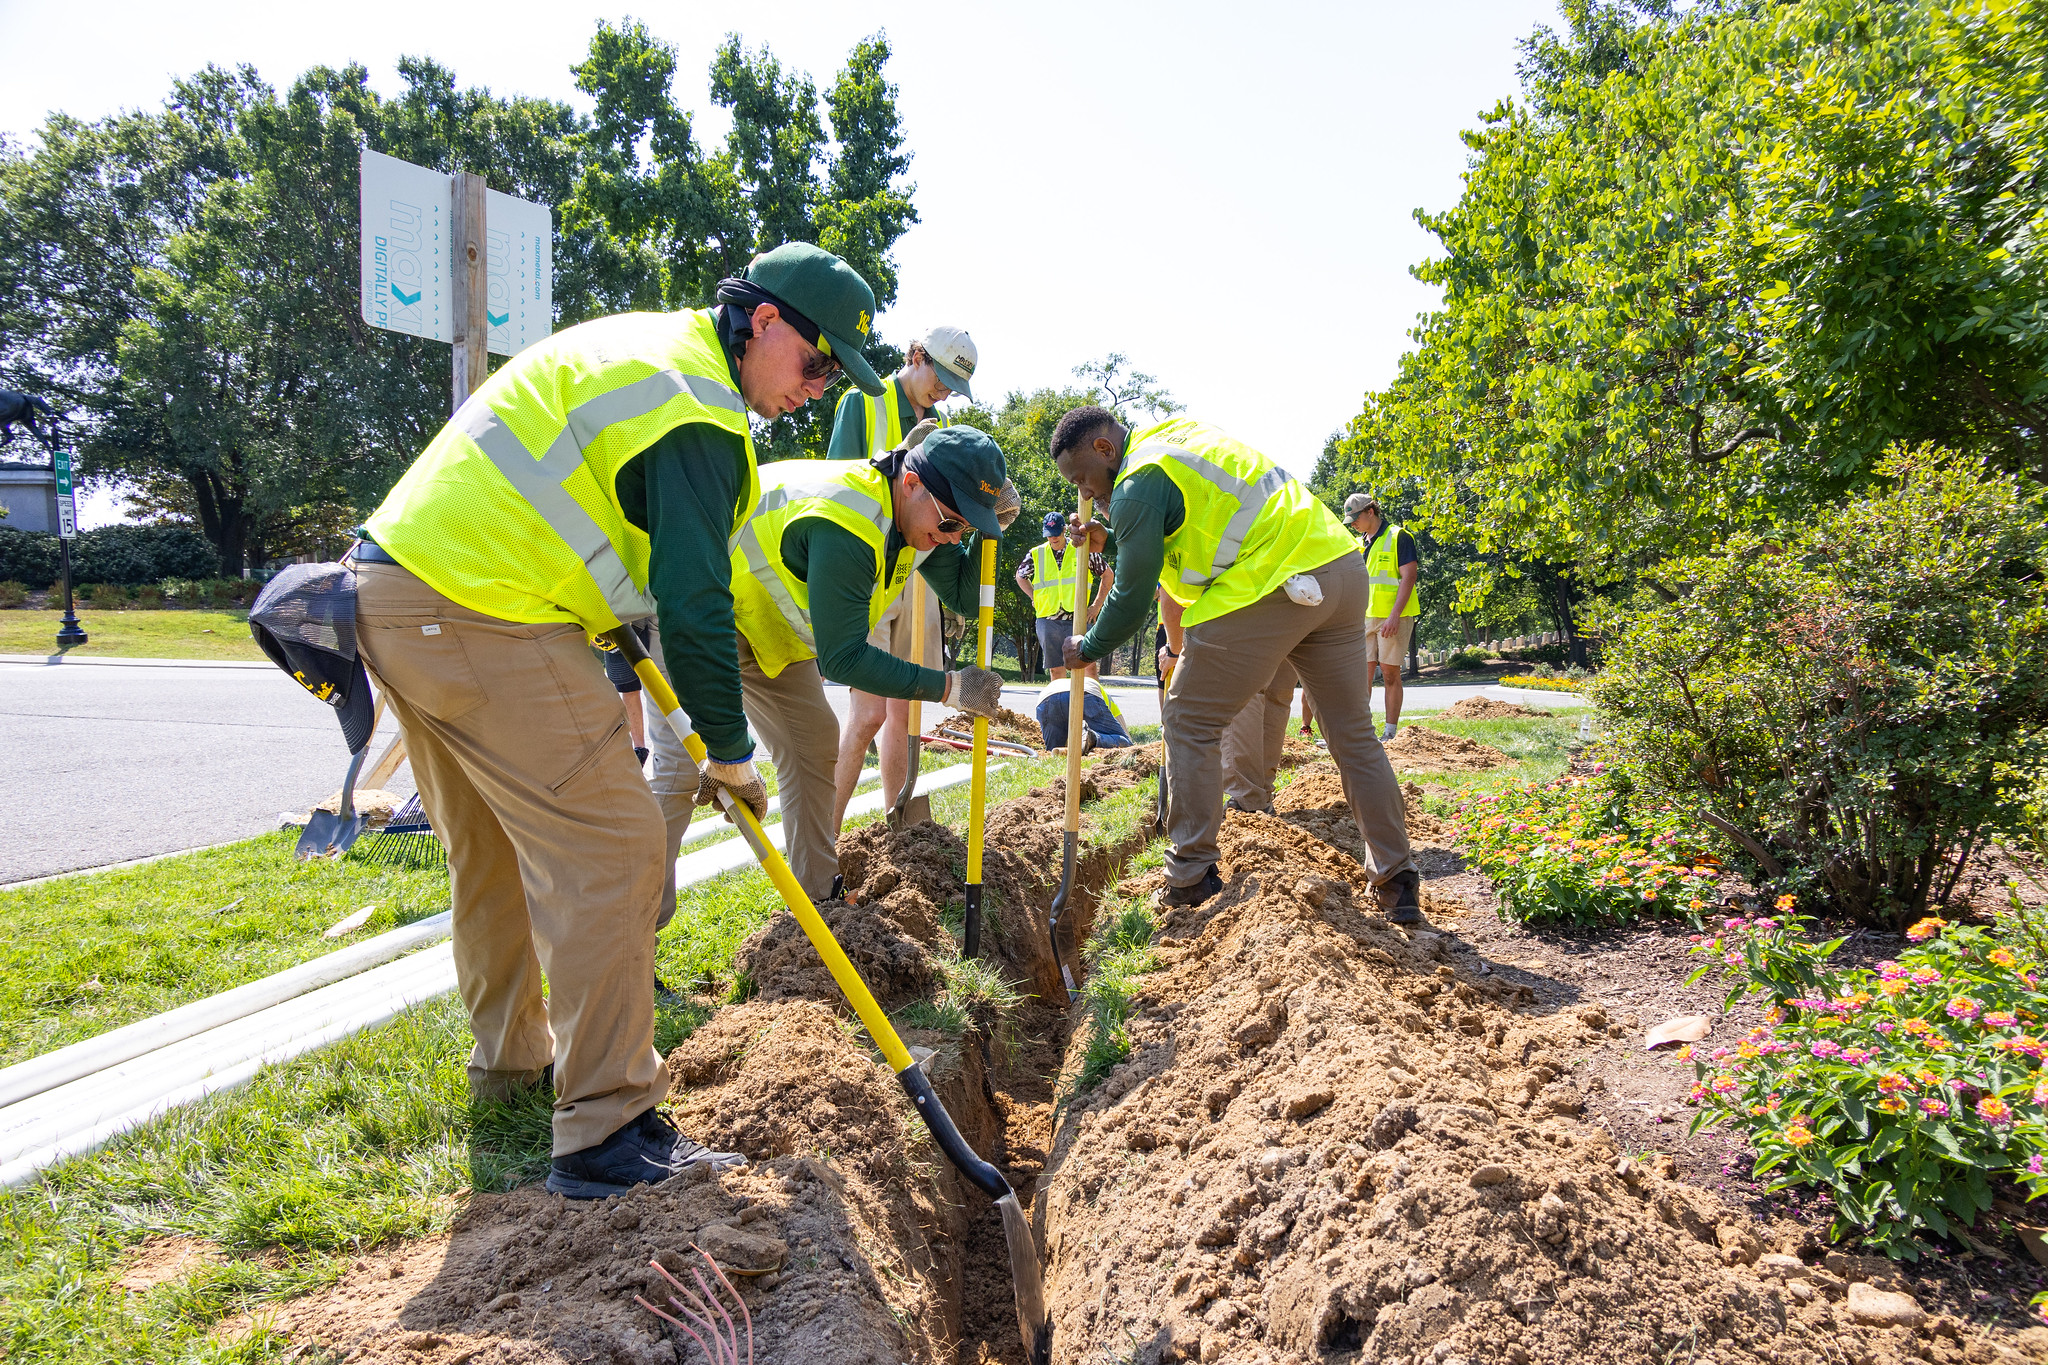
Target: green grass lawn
x,y
134,634
1540,746
81,955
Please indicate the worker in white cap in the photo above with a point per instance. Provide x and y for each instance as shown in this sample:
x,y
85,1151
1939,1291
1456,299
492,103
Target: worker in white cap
x,y
867,428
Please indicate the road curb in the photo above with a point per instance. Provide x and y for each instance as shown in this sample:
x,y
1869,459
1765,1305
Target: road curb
x,y
51,660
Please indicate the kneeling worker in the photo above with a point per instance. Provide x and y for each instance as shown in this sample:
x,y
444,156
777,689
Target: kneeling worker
x,y
1102,720
598,472
1265,576
827,551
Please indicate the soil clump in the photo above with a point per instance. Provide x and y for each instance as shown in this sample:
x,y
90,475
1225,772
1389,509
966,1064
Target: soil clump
x,y
1417,749
1335,1140
1487,708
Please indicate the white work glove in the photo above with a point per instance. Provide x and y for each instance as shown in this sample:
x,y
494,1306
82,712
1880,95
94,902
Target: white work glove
x,y
1008,504
916,435
742,779
975,690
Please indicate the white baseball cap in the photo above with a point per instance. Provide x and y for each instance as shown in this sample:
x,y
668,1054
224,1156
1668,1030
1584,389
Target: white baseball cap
x,y
952,352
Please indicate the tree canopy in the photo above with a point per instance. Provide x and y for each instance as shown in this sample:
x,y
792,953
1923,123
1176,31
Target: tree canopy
x,y
183,281
1712,264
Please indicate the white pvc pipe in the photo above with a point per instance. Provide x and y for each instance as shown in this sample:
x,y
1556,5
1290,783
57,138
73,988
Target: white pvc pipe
x,y
74,1118
83,1058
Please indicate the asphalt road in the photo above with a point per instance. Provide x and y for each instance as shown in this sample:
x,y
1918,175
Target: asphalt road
x,y
102,763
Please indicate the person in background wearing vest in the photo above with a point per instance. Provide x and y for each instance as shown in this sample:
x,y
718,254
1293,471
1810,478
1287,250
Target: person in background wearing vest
x,y
1265,575
827,551
868,428
1102,720
1052,581
598,474
1393,565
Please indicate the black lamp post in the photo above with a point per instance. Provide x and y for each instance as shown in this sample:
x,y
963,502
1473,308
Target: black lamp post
x,y
69,632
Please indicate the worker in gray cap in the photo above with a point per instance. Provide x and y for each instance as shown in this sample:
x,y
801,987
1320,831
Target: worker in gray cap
x,y
938,366
1393,565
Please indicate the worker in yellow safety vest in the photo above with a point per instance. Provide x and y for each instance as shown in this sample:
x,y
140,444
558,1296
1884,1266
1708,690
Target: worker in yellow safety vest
x,y
1264,575
1393,565
598,477
866,427
1052,580
829,548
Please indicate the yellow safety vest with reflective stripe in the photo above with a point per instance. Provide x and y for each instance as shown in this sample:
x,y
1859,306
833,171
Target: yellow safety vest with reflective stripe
x,y
771,605
513,509
1052,592
1250,525
1383,566
884,417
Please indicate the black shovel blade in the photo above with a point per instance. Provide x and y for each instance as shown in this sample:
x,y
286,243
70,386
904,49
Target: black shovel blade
x,y
328,835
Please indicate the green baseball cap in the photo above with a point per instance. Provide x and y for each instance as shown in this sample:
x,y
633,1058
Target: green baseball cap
x,y
831,294
966,471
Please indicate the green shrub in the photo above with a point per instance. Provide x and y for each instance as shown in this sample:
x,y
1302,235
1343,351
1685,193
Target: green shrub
x,y
28,557
1903,1091
1576,849
1469,658
13,594
1858,703
142,554
101,595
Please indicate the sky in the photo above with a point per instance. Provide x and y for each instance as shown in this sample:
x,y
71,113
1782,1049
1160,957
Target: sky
x,y
1223,193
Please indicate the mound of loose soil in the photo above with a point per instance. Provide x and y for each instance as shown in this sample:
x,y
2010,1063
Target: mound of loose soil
x,y
867,1235
1315,801
374,802
1486,708
1018,729
1331,1144
1417,749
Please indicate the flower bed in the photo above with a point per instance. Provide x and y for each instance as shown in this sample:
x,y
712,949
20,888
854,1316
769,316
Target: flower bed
x,y
1572,849
1543,684
1904,1090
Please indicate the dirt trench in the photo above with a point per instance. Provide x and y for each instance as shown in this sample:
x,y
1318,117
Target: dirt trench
x,y
1335,1140
873,1251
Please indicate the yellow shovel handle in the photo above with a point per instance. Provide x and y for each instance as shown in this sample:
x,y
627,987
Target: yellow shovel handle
x,y
772,862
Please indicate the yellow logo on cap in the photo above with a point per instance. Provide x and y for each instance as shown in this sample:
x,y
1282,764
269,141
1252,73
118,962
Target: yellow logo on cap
x,y
861,324
992,492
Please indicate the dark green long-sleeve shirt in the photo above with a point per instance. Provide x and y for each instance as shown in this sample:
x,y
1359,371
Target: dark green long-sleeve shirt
x,y
850,421
840,568
682,491
1144,510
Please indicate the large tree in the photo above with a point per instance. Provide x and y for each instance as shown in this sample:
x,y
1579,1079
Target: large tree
x,y
1713,263
184,281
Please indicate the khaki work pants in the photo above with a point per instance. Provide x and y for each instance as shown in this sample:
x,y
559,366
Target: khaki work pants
x,y
554,844
1229,659
1255,739
790,714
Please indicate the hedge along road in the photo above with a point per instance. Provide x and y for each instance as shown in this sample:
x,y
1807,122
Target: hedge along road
x,y
107,762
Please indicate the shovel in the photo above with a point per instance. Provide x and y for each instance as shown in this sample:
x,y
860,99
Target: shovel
x,y
911,808
1077,693
1032,1318
977,797
328,833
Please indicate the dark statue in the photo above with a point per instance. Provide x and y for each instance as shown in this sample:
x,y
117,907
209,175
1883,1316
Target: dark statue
x,y
26,408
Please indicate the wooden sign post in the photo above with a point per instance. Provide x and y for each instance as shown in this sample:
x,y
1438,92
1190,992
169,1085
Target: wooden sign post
x,y
470,288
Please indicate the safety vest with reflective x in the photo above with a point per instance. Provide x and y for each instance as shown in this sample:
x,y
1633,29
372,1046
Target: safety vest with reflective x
x,y
771,605
1249,524
1053,583
513,509
1383,567
884,418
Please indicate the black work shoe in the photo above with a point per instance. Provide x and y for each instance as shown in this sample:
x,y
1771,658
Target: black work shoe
x,y
1400,898
1194,893
644,1152
661,1136
1232,803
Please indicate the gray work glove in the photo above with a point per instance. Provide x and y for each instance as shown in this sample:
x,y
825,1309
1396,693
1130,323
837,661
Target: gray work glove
x,y
1008,504
742,779
975,690
916,435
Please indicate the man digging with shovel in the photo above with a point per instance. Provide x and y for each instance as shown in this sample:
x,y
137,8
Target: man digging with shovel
x,y
1265,575
827,551
599,471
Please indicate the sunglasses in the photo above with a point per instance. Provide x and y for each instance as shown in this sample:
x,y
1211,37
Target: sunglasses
x,y
948,525
818,365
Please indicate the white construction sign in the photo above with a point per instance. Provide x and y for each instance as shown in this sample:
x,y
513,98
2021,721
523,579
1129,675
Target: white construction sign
x,y
409,257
